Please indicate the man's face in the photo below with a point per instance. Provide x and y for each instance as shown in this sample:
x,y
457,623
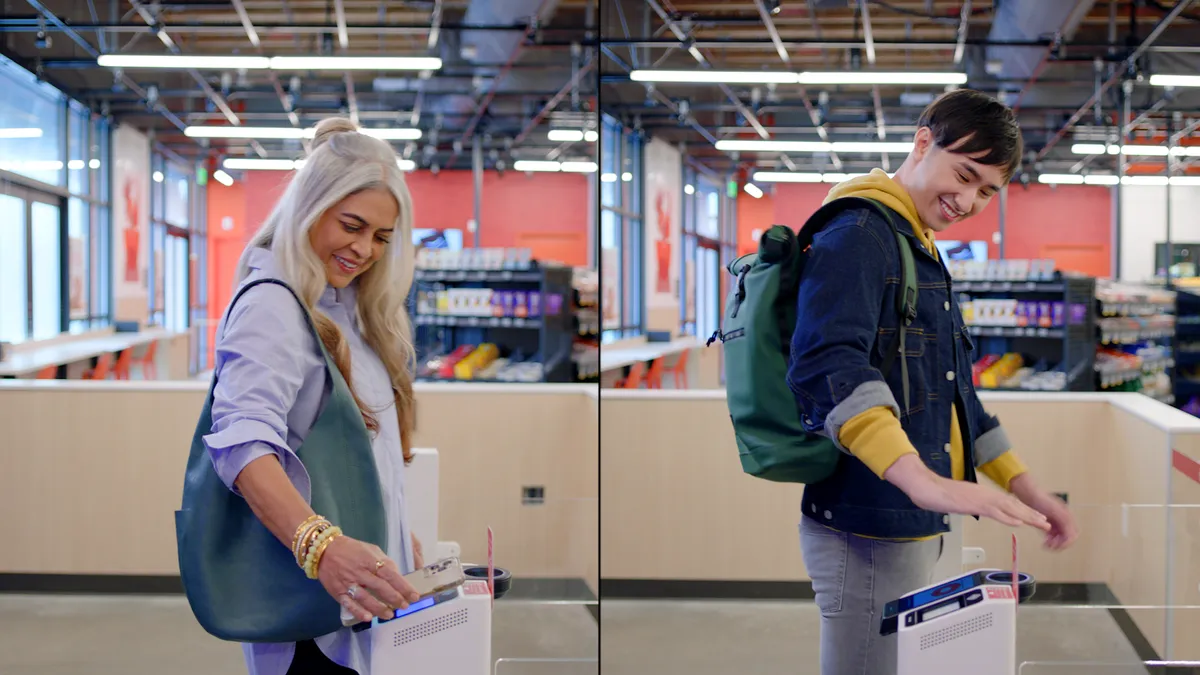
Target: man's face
x,y
948,187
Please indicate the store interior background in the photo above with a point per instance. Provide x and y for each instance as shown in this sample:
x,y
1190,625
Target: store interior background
x,y
707,555
121,232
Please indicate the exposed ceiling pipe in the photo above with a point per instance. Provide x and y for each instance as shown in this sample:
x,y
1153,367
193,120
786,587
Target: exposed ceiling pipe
x,y
482,106
1037,71
1128,62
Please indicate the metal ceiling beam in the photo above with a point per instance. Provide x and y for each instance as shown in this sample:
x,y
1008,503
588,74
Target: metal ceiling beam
x,y
252,35
880,123
765,15
658,96
554,101
964,19
87,47
1129,60
746,113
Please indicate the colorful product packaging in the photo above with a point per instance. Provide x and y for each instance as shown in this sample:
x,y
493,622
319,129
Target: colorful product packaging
x,y
535,304
520,309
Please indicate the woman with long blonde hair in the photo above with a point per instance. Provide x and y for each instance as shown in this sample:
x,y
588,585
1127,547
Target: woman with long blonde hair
x,y
340,241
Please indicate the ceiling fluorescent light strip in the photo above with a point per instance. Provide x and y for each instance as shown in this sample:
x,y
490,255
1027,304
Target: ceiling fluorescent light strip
x,y
1175,80
813,146
535,165
258,164
807,77
870,77
579,167
803,177
184,61
1136,150
715,76
565,135
289,132
1109,180
180,61
753,190
355,63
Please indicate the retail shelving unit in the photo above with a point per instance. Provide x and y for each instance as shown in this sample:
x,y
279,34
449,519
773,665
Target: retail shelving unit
x,y
527,314
1135,329
585,355
1034,334
1187,351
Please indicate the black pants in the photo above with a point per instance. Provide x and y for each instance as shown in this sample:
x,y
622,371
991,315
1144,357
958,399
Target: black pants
x,y
309,660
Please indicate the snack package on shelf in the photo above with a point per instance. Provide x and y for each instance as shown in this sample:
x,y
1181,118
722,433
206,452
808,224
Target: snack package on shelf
x,y
997,374
478,359
1041,270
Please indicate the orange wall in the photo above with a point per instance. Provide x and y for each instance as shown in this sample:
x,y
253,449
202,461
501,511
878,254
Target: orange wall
x,y
546,212
1041,220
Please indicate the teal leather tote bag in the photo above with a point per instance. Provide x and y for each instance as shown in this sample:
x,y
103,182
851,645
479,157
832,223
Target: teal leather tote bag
x,y
241,582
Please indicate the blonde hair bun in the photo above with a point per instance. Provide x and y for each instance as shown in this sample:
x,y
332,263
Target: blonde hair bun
x,y
329,127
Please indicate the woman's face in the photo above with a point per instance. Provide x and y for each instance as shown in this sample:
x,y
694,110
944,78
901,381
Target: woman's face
x,y
353,234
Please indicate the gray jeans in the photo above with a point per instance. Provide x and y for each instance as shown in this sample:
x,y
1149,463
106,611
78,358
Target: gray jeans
x,y
853,578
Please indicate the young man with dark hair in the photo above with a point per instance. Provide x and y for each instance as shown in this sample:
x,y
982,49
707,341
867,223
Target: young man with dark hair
x,y
872,531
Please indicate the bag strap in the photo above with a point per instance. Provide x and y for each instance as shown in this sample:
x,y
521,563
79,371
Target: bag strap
x,y
906,299
308,319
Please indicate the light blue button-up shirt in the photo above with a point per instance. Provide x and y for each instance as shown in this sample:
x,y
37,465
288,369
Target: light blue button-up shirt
x,y
270,387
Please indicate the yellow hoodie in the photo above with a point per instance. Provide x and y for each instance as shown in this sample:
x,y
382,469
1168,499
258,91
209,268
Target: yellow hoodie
x,y
875,436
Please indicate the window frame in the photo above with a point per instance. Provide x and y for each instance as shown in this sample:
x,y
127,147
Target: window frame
x,y
623,151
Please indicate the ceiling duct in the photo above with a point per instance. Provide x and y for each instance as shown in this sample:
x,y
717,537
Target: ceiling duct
x,y
1030,20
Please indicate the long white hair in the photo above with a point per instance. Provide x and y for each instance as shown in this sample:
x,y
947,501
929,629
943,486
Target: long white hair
x,y
342,162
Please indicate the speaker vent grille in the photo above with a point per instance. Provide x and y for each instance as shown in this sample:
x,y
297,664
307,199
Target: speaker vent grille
x,y
430,627
960,629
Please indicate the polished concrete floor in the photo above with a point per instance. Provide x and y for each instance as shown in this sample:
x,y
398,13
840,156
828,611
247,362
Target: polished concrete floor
x,y
741,637
139,635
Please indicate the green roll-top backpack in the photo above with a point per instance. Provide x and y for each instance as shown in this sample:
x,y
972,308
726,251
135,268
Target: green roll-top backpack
x,y
756,334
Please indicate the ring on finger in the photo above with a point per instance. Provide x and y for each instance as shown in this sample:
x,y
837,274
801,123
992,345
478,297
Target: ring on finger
x,y
352,591
378,566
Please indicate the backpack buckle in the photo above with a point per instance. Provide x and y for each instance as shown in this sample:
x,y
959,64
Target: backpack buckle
x,y
909,309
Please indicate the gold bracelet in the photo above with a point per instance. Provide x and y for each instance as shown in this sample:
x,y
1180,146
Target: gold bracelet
x,y
307,521
306,540
310,540
316,564
310,553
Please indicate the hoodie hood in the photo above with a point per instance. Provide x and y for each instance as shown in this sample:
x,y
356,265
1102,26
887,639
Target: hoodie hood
x,y
879,186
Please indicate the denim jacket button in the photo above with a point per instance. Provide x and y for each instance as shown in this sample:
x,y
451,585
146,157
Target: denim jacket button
x,y
946,305
950,375
828,515
946,447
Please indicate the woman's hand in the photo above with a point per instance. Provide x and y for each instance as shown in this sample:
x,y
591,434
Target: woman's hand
x,y
1063,530
418,555
349,572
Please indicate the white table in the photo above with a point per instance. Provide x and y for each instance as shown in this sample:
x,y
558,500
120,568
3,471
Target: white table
x,y
611,359
27,363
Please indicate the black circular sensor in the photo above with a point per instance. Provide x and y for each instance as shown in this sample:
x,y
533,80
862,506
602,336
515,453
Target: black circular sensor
x,y
502,581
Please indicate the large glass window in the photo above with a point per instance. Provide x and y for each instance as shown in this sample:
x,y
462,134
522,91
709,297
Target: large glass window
x,y
31,125
173,209
54,270
621,231
14,304
709,245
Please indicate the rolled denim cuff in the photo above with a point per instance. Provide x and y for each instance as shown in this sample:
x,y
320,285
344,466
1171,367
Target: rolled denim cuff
x,y
990,445
865,396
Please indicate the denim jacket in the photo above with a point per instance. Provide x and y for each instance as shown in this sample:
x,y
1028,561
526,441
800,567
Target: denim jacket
x,y
846,319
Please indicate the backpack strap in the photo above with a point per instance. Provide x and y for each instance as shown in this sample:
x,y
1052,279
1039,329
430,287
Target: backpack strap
x,y
906,299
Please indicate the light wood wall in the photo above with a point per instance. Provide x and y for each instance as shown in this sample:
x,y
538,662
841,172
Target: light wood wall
x,y
93,471
684,509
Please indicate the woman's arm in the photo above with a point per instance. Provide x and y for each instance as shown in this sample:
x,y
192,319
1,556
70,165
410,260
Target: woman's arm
x,y
273,498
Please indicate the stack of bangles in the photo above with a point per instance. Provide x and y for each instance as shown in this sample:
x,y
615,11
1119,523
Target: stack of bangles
x,y
312,538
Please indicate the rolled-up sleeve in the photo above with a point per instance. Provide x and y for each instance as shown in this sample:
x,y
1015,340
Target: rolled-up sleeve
x,y
261,359
837,317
